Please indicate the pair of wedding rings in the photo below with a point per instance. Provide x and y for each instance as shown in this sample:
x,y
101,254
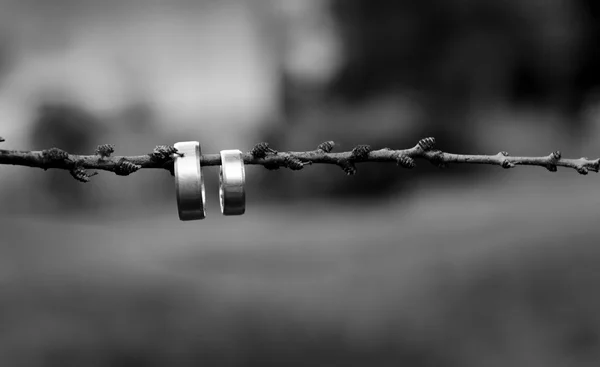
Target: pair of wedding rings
x,y
189,182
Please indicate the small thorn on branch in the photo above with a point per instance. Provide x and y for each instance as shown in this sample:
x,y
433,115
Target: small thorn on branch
x,y
590,165
2,139
427,143
438,159
80,174
293,163
326,146
261,150
163,152
553,158
361,151
125,167
348,167
405,161
105,150
595,165
507,164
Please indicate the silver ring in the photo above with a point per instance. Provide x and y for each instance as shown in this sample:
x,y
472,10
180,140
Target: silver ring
x,y
189,181
232,180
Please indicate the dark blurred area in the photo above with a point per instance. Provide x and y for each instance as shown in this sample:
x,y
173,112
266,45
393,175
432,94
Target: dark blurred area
x,y
465,266
450,61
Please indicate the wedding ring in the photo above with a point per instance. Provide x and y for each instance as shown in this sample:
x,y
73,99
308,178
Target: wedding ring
x,y
232,180
189,182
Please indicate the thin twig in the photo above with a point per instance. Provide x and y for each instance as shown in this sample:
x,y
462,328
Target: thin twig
x,y
163,155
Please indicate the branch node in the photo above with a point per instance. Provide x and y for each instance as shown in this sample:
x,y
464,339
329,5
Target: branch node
x,y
438,159
361,151
54,155
261,150
163,152
507,164
553,158
504,153
594,165
326,146
427,143
105,150
80,174
348,167
582,170
293,163
125,167
405,161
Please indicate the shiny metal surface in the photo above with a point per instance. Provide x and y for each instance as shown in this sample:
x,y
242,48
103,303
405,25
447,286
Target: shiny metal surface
x,y
232,181
189,181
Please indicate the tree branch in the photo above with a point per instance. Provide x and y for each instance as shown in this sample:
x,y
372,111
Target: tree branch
x,y
162,158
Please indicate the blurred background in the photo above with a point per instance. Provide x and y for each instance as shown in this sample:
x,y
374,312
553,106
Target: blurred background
x,y
467,266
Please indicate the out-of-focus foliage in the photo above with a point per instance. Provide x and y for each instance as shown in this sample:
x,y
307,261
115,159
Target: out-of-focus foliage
x,y
460,49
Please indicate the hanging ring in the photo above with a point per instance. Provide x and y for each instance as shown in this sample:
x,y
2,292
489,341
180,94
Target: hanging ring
x,y
189,181
232,180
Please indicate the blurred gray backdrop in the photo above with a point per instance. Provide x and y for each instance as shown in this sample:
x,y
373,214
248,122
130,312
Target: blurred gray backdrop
x,y
467,266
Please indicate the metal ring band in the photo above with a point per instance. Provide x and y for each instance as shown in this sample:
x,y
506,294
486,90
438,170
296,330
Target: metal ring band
x,y
189,181
232,179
